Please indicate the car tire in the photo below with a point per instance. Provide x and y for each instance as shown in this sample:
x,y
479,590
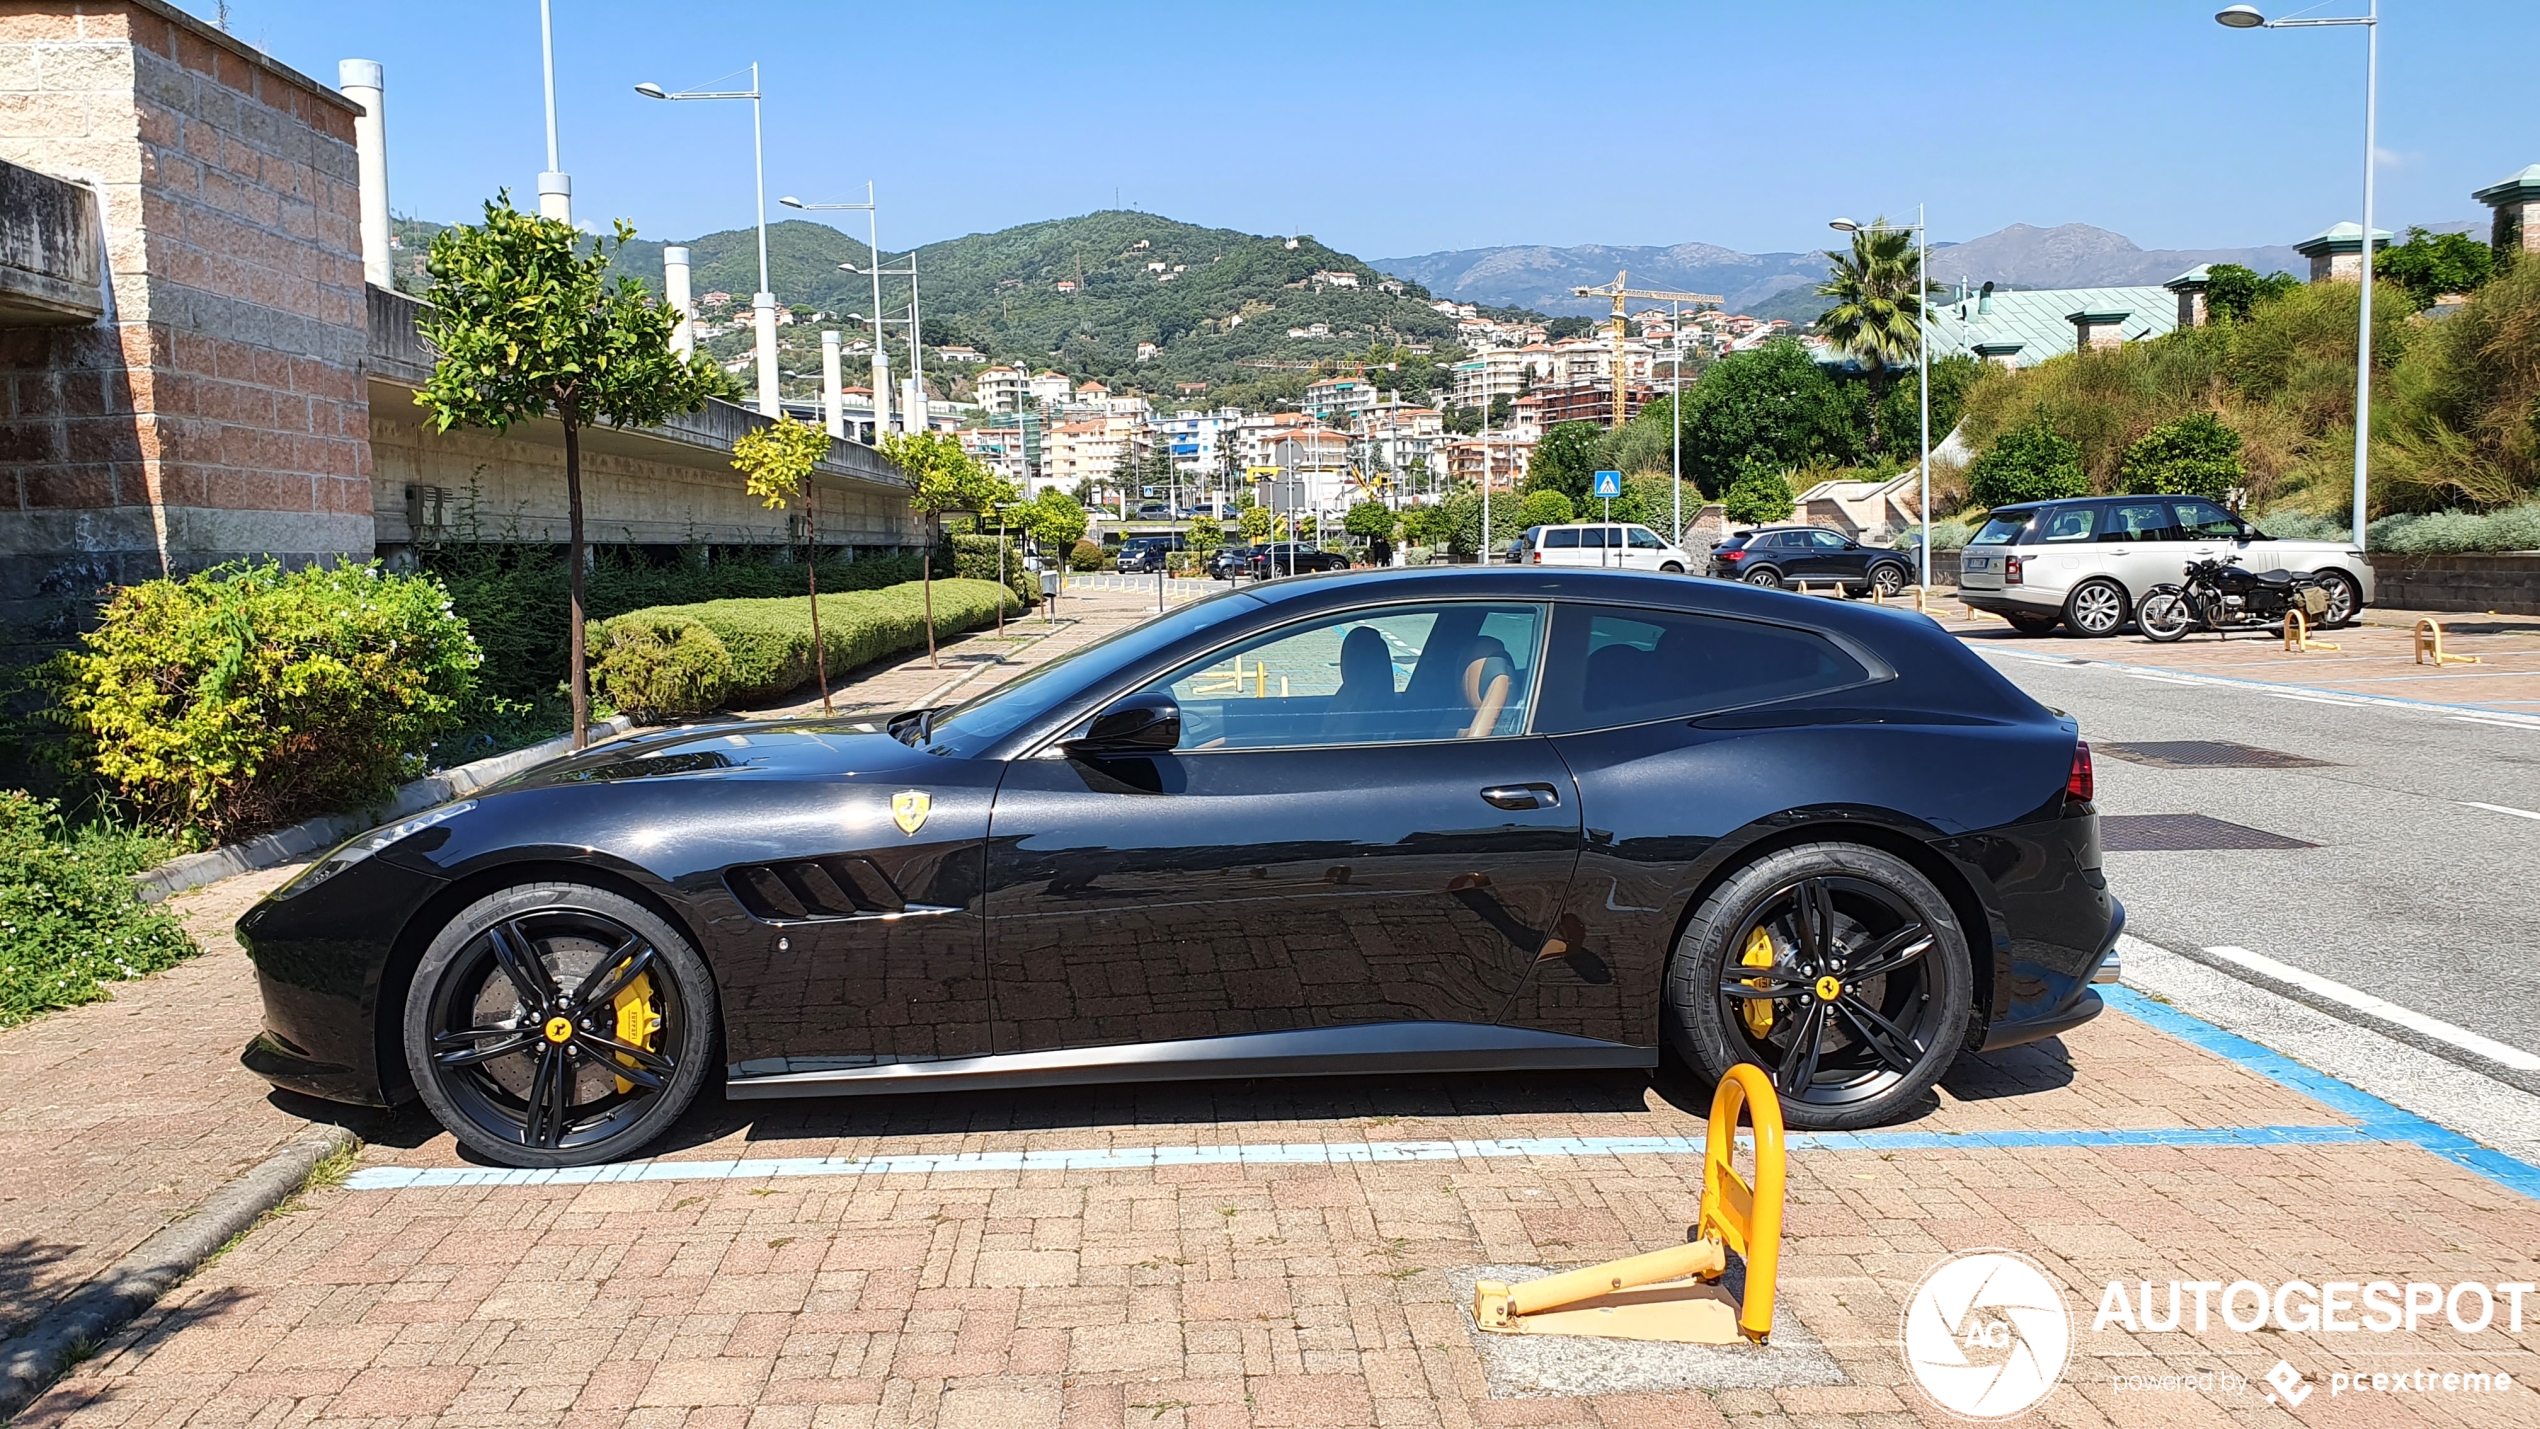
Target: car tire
x,y
2345,598
1766,577
2097,608
506,972
1896,958
2034,624
1672,568
1888,578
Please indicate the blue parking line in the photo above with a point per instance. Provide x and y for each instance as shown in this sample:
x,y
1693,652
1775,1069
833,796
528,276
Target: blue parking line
x,y
2377,1122
2380,1121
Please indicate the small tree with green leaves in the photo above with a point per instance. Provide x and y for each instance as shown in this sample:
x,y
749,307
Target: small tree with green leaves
x,y
1053,518
2435,265
1757,495
1205,535
778,462
1258,522
2028,463
2234,292
941,477
1369,521
2194,455
1545,508
527,324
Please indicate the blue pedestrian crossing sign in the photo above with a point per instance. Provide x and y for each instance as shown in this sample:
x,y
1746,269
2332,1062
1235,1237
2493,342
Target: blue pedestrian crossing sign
x,y
1609,484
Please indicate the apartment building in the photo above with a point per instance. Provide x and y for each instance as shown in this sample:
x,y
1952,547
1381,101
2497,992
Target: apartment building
x,y
1003,389
1198,441
1257,434
1336,397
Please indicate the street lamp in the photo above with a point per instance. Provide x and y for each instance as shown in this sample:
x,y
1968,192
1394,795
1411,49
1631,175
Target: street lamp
x,y
914,417
555,187
873,238
1922,350
2246,17
762,302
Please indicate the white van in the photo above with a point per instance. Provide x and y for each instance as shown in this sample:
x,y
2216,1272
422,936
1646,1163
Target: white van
x,y
1614,545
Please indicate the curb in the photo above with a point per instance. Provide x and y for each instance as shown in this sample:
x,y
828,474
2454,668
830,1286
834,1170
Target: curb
x,y
123,1291
326,831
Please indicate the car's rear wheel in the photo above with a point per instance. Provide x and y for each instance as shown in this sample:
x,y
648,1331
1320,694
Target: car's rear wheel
x,y
1766,577
557,1024
2096,608
2034,624
2345,598
1837,968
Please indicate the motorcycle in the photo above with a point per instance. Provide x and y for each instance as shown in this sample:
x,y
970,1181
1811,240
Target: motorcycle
x,y
2223,597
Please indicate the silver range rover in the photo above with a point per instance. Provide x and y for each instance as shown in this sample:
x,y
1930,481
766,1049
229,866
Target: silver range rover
x,y
2085,562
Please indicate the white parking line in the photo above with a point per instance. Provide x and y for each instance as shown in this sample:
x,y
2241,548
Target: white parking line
x,y
2383,1008
2499,723
2499,809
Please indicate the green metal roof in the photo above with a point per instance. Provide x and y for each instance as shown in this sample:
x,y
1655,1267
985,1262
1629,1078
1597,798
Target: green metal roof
x,y
2039,321
2340,238
2522,185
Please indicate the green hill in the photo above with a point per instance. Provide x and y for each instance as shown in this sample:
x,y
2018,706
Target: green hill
x,y
1223,318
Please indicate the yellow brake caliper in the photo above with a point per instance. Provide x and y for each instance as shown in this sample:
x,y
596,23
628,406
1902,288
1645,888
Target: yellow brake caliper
x,y
638,1022
1758,954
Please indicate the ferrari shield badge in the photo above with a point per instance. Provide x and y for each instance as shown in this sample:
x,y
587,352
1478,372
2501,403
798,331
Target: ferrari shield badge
x,y
908,809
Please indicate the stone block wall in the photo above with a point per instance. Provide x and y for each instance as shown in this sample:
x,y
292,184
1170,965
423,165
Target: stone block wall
x,y
219,410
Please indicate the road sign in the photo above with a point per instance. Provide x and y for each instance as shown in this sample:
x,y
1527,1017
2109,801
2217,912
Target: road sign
x,y
1609,484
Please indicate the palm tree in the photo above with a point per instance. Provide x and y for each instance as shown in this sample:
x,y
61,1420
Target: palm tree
x,y
1877,315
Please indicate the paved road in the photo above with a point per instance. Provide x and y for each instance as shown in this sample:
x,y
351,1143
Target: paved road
x,y
2412,895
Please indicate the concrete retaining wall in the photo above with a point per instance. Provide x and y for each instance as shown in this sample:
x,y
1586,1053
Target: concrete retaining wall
x,y
2507,582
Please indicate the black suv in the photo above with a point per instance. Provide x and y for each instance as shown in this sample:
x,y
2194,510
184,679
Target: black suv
x,y
1226,560
1288,558
1792,555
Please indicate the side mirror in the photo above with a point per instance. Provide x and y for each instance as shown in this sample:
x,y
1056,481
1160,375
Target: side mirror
x,y
1139,724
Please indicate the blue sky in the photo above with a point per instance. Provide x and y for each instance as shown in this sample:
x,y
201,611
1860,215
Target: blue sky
x,y
1391,129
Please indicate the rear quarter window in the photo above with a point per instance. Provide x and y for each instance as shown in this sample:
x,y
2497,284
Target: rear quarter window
x,y
2003,530
1611,666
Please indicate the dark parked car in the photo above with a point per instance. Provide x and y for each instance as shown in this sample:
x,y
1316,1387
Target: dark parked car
x,y
1227,560
1791,555
1292,558
1146,553
1448,820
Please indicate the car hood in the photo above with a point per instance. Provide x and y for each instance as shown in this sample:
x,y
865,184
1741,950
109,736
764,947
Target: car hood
x,y
785,749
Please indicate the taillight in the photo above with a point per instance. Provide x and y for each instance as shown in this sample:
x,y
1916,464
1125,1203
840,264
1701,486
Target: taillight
x,y
2011,570
1732,555
2081,786
1538,558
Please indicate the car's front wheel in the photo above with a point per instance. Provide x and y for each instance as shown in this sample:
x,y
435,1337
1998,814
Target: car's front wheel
x,y
557,1024
1888,577
1673,568
1837,968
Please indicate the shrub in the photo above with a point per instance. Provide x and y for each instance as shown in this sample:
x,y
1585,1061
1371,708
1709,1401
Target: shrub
x,y
2030,463
1084,556
247,696
2194,455
975,559
1544,508
766,644
2451,532
1758,495
69,919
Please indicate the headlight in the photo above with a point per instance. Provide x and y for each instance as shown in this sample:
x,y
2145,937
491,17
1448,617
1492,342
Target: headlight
x,y
362,846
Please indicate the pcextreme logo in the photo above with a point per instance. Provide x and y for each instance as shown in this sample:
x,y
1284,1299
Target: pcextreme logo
x,y
1986,1334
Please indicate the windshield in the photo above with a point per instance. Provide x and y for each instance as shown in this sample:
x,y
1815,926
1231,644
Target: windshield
x,y
2002,530
973,725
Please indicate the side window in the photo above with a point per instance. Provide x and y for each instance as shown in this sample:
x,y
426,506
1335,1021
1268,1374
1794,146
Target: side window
x,y
2137,521
1594,537
2069,523
1567,538
1613,666
1644,539
1826,541
2204,521
1386,676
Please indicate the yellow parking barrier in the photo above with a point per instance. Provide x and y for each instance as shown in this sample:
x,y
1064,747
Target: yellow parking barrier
x,y
1672,1294
2297,634
2429,642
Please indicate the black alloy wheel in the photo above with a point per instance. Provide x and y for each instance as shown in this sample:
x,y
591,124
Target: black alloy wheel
x,y
1766,577
1837,968
556,1024
2345,598
1888,577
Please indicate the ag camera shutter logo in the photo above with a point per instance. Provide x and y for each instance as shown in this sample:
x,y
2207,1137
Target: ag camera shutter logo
x,y
1986,1334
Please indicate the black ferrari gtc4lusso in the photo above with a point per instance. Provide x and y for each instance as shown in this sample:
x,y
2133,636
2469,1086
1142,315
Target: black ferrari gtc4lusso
x,y
1378,823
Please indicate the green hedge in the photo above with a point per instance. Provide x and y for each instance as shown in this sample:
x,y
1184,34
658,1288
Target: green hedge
x,y
2434,533
69,919
678,660
975,558
248,697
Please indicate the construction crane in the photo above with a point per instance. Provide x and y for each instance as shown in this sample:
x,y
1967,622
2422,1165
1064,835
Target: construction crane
x,y
1618,292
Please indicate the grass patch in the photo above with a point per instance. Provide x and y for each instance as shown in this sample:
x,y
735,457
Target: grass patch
x,y
70,922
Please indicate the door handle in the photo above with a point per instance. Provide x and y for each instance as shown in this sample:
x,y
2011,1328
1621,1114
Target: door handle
x,y
1521,796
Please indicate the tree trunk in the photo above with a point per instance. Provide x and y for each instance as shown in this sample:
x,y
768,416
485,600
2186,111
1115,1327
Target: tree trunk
x,y
928,570
577,693
811,577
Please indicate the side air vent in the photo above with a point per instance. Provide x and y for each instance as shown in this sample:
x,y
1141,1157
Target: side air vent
x,y
840,886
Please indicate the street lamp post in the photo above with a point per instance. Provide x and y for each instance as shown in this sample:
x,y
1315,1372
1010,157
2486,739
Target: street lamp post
x,y
912,415
872,243
1922,350
555,187
762,302
1676,411
2246,17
